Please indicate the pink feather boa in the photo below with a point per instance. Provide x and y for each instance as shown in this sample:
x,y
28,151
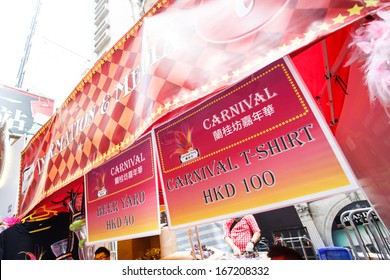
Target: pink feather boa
x,y
371,44
10,221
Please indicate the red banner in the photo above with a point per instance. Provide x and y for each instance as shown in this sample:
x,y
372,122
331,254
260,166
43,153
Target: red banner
x,y
169,59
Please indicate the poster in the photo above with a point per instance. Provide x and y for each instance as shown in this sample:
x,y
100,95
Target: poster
x,y
122,196
258,145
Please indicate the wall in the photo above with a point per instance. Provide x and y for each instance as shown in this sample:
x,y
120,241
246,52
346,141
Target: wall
x,y
9,182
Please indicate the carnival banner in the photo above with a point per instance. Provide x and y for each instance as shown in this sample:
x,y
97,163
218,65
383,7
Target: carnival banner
x,y
258,145
170,58
122,196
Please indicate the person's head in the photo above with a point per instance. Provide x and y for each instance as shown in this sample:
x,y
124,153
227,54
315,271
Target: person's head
x,y
102,253
278,252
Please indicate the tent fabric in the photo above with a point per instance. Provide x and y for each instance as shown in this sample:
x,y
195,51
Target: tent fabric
x,y
363,134
168,61
326,76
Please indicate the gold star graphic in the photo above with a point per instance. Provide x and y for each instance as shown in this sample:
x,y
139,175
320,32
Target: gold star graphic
x,y
176,100
225,77
247,67
355,10
186,96
283,47
154,114
259,60
159,110
296,41
371,3
205,87
271,53
324,26
132,138
236,73
214,82
339,19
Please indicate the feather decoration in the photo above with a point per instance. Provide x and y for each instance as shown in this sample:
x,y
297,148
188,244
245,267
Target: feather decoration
x,y
371,45
100,184
183,142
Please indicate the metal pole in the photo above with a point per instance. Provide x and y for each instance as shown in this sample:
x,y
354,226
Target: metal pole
x,y
374,228
27,47
328,78
346,231
356,230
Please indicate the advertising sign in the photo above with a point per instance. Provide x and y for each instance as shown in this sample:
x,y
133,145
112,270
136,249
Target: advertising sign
x,y
122,196
24,112
258,145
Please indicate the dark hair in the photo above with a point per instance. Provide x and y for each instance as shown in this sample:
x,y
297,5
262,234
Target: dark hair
x,y
283,253
102,250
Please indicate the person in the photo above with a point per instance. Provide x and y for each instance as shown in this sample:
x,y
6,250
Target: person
x,y
241,234
279,252
102,253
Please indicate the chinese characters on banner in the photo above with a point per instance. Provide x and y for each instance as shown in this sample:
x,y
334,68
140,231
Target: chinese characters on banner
x,y
23,111
256,146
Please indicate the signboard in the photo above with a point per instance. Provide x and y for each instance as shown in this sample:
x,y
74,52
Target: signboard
x,y
258,145
122,196
24,112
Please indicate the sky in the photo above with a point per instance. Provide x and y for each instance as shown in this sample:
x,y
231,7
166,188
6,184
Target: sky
x,y
14,25
61,51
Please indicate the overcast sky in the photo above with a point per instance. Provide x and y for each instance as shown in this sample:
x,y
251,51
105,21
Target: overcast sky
x,y
14,24
61,47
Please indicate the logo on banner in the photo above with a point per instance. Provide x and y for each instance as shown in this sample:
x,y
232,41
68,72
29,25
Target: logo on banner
x,y
235,19
189,156
102,192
